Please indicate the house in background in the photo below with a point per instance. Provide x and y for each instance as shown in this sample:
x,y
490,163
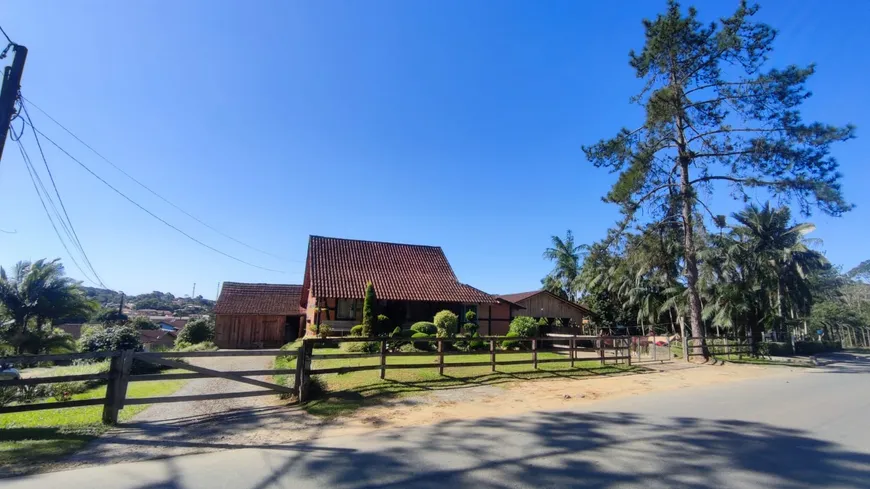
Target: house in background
x,y
156,337
412,283
543,304
257,315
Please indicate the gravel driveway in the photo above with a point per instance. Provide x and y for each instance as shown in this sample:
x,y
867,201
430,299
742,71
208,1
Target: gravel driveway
x,y
170,429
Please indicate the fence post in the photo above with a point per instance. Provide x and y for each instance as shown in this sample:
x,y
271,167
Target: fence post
x,y
383,357
116,390
728,348
685,348
440,357
535,353
601,349
300,356
628,342
303,364
572,346
492,354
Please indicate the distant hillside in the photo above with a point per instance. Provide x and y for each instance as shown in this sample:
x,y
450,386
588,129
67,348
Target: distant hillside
x,y
162,301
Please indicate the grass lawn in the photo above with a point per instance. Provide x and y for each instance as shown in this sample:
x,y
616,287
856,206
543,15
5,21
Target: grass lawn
x,y
30,438
348,392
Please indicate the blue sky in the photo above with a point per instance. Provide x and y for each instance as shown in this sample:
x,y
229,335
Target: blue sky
x,y
451,123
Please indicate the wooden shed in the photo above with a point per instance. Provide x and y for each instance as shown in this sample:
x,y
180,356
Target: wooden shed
x,y
541,303
257,315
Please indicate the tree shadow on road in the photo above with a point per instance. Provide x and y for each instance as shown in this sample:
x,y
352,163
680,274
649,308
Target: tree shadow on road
x,y
569,449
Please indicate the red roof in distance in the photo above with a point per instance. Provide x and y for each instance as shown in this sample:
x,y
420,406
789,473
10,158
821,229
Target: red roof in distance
x,y
265,299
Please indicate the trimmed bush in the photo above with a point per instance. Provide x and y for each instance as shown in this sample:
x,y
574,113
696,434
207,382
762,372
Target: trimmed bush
x,y
511,344
476,343
424,327
770,348
470,317
356,330
470,328
422,345
197,331
523,326
383,324
446,322
361,346
369,319
814,347
110,339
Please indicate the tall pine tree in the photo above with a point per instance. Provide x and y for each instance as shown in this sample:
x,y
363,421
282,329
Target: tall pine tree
x,y
713,115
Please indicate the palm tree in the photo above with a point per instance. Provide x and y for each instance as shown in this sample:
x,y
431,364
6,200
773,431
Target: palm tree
x,y
773,257
35,295
567,257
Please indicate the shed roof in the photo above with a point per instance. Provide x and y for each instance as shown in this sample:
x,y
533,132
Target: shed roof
x,y
521,296
340,268
266,299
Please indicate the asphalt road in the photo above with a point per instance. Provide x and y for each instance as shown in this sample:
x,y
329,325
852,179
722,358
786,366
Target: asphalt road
x,y
810,428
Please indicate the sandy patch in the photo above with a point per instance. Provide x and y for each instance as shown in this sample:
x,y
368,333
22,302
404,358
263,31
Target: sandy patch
x,y
525,396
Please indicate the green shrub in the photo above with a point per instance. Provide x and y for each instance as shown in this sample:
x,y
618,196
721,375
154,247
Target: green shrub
x,y
142,322
396,339
383,324
197,331
470,328
424,327
445,321
187,347
511,344
524,326
110,339
361,346
356,330
63,391
408,348
476,343
814,347
470,317
770,348
369,319
323,330
422,345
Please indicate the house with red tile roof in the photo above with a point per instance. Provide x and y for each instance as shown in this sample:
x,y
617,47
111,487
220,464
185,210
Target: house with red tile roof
x,y
412,283
257,315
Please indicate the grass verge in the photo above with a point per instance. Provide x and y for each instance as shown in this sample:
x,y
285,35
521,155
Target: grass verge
x,y
32,438
345,393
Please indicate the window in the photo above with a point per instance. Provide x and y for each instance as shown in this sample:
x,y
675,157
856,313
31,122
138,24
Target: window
x,y
346,309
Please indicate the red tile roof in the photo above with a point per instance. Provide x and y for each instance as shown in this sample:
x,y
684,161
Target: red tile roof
x,y
267,299
340,268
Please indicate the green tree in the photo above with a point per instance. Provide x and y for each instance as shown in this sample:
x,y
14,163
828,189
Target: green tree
x,y
369,316
713,116
196,331
141,322
566,256
446,322
33,297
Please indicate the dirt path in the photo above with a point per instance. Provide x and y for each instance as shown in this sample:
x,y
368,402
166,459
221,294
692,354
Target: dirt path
x,y
172,429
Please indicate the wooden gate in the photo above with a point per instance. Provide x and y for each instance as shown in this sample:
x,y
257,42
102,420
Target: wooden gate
x,y
119,376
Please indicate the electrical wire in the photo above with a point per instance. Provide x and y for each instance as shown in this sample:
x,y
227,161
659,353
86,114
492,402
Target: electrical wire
x,y
155,216
27,164
164,199
6,35
76,241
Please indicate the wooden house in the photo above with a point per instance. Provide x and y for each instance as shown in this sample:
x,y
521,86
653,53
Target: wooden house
x,y
257,315
543,304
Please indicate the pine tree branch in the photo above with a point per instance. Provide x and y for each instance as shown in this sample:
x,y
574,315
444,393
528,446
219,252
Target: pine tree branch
x,y
731,130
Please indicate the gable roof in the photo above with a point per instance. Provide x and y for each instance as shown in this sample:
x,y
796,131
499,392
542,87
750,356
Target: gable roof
x,y
521,296
339,268
267,299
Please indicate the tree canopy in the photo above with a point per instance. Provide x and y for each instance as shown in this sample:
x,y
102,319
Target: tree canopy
x,y
714,114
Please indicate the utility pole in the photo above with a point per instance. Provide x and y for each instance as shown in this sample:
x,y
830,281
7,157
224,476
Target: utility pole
x,y
10,88
193,294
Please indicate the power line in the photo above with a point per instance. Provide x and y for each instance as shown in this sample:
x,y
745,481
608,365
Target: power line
x,y
164,199
155,216
76,240
26,159
5,35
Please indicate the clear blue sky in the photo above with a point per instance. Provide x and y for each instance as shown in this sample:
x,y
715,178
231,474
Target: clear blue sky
x,y
451,123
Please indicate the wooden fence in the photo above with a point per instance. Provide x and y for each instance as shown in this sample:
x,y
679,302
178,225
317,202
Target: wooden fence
x,y
119,376
605,348
720,346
